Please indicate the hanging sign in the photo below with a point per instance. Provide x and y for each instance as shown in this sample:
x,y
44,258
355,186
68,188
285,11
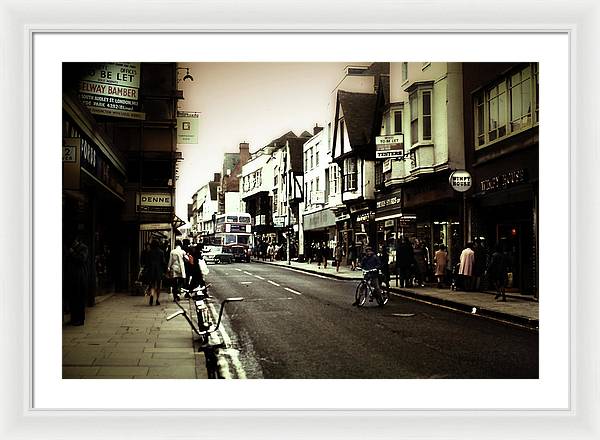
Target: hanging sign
x,y
461,180
389,146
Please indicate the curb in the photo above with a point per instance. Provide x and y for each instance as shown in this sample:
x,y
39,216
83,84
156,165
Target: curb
x,y
532,324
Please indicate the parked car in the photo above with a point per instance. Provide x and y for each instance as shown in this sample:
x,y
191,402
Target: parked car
x,y
217,254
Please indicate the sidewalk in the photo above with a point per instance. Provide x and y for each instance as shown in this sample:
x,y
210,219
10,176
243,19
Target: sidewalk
x,y
518,309
124,338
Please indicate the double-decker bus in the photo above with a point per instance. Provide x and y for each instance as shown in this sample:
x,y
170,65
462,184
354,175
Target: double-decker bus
x,y
235,232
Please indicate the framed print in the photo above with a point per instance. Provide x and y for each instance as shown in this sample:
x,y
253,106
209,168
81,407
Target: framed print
x,y
551,392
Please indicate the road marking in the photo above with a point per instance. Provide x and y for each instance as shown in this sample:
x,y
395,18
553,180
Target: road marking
x,y
248,273
292,290
274,283
246,282
232,354
239,270
259,277
317,275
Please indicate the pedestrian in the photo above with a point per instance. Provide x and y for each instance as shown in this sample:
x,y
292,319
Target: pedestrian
x,y
497,272
352,255
155,270
77,274
479,264
270,251
338,256
143,274
441,263
324,254
384,257
421,263
467,258
319,254
405,259
176,270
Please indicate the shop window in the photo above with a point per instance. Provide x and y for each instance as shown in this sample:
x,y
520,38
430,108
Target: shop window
x,y
350,174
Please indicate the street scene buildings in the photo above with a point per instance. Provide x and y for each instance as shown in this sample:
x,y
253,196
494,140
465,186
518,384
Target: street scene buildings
x,y
431,166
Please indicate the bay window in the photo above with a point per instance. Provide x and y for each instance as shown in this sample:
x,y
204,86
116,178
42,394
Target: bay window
x,y
350,174
420,114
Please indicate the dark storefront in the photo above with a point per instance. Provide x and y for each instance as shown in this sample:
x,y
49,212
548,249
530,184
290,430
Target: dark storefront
x,y
505,213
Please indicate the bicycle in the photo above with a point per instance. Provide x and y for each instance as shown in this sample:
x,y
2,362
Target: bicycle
x,y
365,289
204,325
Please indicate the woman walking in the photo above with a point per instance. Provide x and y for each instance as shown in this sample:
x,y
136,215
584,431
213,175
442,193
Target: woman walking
x,y
338,256
155,261
441,263
497,272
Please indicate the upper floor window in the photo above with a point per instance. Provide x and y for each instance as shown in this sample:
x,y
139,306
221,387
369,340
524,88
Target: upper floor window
x,y
397,122
306,160
420,115
404,71
311,158
350,174
506,106
329,138
333,179
275,176
317,156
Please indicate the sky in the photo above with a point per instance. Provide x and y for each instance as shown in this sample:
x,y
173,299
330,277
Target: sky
x,y
247,102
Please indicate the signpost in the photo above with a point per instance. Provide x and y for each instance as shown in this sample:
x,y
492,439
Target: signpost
x,y
461,181
388,147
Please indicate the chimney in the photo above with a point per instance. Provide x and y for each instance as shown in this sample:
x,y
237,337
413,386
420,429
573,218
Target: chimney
x,y
244,153
317,129
217,177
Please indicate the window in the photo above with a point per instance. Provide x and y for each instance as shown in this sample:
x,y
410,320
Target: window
x,y
311,157
327,185
316,155
275,201
312,188
496,110
329,137
306,193
404,71
397,122
275,176
317,184
506,106
350,174
520,99
379,173
420,115
333,177
414,119
306,160
426,115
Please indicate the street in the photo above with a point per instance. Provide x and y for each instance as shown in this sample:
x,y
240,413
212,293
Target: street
x,y
295,325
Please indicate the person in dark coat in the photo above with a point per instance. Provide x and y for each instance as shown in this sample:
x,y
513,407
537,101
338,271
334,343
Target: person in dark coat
x,y
385,259
421,262
196,279
479,264
352,255
405,258
77,275
156,268
497,272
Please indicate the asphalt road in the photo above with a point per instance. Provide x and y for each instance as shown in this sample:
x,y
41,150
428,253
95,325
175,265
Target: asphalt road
x,y
295,325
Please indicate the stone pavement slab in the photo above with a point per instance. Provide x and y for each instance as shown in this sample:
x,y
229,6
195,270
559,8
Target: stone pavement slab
x,y
123,337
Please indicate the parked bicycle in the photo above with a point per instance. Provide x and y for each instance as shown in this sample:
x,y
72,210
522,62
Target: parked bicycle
x,y
367,291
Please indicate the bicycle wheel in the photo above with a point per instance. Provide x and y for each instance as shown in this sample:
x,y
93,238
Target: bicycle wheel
x,y
384,296
362,292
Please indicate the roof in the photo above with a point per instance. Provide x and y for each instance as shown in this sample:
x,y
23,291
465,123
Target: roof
x,y
359,114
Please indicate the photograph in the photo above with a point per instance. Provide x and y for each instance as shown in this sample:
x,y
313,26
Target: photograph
x,y
300,220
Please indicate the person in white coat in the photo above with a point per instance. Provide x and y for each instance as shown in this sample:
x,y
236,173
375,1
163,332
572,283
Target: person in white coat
x,y
467,257
176,268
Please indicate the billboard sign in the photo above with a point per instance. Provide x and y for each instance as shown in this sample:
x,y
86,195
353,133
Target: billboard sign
x,y
154,202
388,147
187,127
112,89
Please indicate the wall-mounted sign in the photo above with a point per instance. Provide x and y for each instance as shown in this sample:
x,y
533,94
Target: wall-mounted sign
x,y
389,146
154,202
155,227
187,127
387,165
71,166
317,197
279,221
504,180
460,180
112,89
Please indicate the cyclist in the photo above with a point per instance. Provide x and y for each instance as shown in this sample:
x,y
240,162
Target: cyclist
x,y
370,262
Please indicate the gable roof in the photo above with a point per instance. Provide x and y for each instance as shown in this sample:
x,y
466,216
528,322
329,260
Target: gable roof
x,y
359,114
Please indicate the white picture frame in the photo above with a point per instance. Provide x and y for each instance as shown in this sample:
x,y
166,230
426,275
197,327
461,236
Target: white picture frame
x,y
18,23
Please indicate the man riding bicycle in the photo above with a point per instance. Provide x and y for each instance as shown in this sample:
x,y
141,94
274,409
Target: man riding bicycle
x,y
371,262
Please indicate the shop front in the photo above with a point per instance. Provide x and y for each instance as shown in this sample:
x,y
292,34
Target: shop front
x,y
506,215
438,214
92,199
319,227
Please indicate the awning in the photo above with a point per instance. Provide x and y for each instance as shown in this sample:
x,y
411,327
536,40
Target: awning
x,y
319,220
